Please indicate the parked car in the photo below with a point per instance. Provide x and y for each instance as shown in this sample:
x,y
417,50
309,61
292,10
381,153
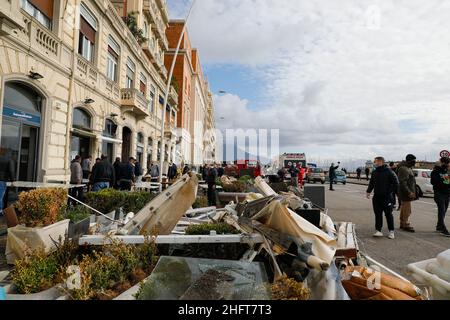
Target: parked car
x,y
315,175
423,182
341,177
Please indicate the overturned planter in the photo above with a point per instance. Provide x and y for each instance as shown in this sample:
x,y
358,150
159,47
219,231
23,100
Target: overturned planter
x,y
20,239
79,229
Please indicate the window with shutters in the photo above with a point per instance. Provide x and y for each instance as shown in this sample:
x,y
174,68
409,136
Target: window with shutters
x,y
41,10
112,59
131,71
88,30
143,84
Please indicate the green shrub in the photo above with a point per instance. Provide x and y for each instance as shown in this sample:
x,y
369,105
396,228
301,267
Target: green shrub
x,y
136,201
77,213
147,254
104,270
34,273
39,271
42,207
109,200
247,179
206,228
106,201
200,202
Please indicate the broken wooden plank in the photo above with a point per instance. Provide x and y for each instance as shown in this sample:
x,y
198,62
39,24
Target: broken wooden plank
x,y
99,240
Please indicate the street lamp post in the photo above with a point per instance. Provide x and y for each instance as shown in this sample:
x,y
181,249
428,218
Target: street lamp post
x,y
166,97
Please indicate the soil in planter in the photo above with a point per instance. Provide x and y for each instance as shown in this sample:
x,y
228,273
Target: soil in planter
x,y
137,276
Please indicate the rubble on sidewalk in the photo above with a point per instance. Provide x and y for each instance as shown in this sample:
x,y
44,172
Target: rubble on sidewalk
x,y
238,249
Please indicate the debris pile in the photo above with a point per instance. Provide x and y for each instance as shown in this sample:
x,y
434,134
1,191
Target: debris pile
x,y
263,245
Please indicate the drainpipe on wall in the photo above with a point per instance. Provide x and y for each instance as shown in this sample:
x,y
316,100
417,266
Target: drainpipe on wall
x,y
71,89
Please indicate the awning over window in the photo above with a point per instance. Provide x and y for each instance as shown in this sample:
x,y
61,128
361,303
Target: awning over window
x,y
84,133
108,139
113,46
45,6
87,30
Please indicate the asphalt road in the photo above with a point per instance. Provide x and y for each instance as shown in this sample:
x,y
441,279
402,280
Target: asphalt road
x,y
349,204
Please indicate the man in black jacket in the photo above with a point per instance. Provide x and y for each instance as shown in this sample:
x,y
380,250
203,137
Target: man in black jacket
x,y
211,181
384,183
103,175
127,175
440,179
332,175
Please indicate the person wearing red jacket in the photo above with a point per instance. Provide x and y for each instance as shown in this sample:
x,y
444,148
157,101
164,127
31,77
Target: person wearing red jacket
x,y
258,170
301,175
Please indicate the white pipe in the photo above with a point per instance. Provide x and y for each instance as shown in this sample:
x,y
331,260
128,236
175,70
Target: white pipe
x,y
96,211
166,97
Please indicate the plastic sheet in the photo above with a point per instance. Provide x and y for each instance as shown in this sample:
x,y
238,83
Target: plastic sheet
x,y
280,218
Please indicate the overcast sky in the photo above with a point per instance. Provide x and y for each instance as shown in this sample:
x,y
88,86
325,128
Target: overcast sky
x,y
341,79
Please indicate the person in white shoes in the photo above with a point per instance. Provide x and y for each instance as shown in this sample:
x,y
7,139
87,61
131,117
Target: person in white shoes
x,y
383,183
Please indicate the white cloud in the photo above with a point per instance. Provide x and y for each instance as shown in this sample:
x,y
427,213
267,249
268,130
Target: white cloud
x,y
348,78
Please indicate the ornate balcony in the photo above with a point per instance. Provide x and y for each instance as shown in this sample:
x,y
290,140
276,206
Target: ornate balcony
x,y
170,131
134,101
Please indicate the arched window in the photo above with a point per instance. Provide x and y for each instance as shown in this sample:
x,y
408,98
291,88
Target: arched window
x,y
21,97
82,119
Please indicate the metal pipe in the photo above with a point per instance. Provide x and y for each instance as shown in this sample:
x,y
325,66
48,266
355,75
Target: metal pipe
x,y
96,211
166,97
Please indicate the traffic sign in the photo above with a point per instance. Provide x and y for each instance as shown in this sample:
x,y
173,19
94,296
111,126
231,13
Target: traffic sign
x,y
445,154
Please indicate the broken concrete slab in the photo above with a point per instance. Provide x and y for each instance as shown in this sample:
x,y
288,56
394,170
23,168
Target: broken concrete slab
x,y
162,214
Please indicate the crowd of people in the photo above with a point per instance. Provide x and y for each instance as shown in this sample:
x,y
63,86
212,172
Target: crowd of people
x,y
389,183
102,174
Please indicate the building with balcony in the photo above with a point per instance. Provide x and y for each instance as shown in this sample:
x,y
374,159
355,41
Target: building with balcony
x,y
74,79
194,100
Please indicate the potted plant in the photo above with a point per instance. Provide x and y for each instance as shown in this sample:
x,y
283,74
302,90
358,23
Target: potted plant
x,y
38,276
80,219
41,220
115,269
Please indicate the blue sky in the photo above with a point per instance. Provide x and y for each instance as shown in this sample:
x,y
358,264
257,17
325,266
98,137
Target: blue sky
x,y
347,79
238,80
